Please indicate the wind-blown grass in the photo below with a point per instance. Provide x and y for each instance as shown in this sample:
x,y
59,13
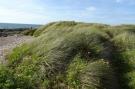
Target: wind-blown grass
x,y
71,55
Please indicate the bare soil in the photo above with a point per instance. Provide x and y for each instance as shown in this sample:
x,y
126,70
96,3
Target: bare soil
x,y
10,42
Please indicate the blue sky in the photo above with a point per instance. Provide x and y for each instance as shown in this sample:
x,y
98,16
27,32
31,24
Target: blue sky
x,y
44,11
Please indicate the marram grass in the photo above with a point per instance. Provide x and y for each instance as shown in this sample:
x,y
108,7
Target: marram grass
x,y
71,55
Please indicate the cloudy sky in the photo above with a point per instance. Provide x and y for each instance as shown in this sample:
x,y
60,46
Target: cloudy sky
x,y
44,11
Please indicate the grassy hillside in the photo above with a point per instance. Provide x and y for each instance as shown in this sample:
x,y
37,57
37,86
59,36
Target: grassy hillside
x,y
19,31
71,55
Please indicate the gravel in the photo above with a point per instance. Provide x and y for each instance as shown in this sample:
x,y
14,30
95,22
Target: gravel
x,y
10,42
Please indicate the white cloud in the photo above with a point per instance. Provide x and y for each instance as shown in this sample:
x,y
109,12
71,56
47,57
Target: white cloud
x,y
13,15
22,11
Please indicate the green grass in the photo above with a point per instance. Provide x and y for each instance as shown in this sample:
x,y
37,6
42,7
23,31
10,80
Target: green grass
x,y
28,32
73,55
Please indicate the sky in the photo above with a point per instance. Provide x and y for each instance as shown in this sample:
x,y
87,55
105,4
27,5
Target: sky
x,y
44,11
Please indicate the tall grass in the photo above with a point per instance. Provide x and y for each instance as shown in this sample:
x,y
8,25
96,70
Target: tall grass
x,y
71,55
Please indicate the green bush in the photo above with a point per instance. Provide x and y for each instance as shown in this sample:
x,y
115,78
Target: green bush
x,y
29,32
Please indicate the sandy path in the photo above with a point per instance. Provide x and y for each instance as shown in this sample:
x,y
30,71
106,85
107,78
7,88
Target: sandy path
x,y
10,42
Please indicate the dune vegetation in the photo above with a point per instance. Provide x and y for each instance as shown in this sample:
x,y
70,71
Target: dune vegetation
x,y
73,55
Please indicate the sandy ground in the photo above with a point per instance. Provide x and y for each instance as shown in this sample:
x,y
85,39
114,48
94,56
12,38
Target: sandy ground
x,y
10,42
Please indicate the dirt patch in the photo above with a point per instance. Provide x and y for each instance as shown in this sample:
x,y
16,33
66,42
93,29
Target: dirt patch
x,y
10,42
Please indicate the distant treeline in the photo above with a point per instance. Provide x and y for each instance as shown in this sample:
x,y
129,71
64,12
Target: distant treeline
x,y
10,32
